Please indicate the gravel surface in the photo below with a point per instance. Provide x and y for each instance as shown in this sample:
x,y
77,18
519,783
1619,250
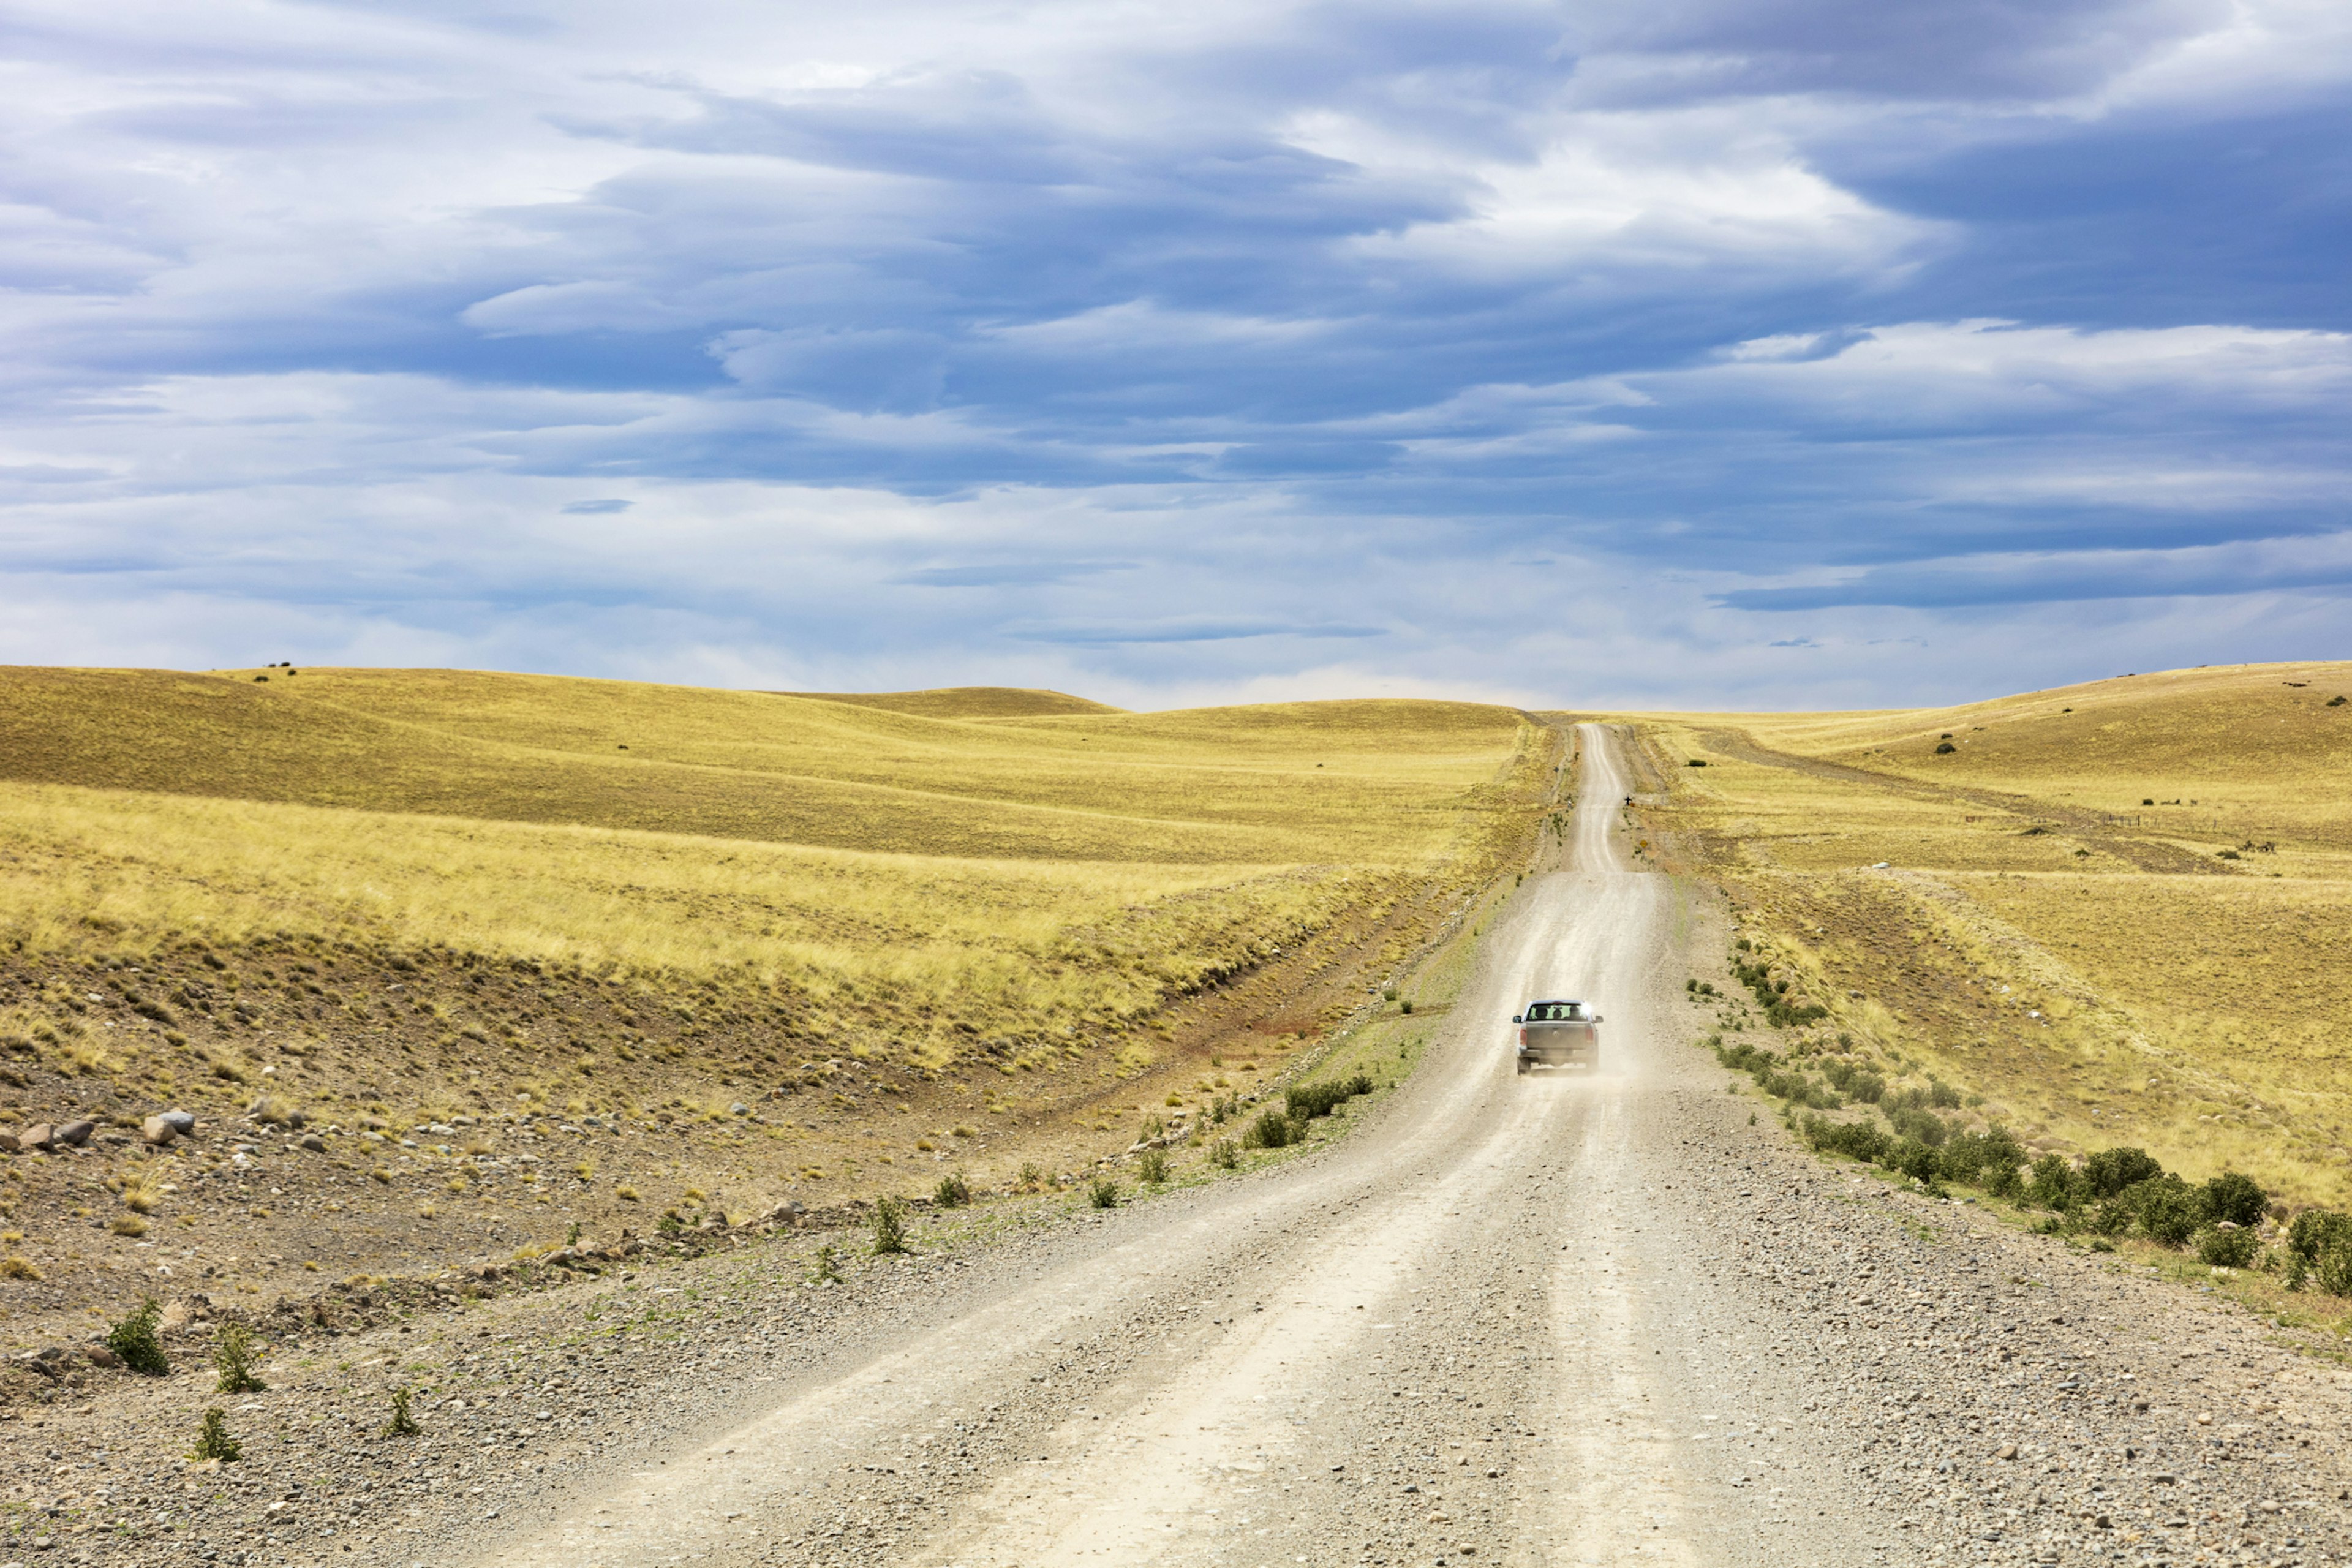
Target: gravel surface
x,y
1559,1319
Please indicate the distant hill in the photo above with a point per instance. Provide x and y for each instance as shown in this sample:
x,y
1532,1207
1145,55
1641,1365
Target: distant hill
x,y
965,702
1276,784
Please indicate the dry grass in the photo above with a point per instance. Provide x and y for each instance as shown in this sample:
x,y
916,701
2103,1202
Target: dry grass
x,y
1033,869
2091,963
1282,784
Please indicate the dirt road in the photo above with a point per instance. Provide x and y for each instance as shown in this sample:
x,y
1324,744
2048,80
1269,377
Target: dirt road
x,y
1483,1326
1562,1319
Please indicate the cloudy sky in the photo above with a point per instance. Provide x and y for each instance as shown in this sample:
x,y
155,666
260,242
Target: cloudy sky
x,y
1703,352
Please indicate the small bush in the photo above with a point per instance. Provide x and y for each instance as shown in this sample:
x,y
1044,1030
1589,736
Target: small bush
x,y
233,1359
133,1339
2052,1183
889,1228
1855,1140
2315,1230
1308,1100
1153,1167
1102,1192
824,1269
127,1225
2111,1171
1855,1081
213,1441
1225,1154
2168,1209
2227,1248
1920,1126
15,1267
2335,1269
1272,1130
2111,1217
953,1191
1032,1175
1970,1156
1915,1159
402,1423
2234,1197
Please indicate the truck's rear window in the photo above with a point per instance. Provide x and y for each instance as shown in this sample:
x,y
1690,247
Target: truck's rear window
x,y
1556,1013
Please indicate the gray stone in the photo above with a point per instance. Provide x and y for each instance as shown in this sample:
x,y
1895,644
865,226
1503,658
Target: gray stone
x,y
76,1133
313,1143
182,1122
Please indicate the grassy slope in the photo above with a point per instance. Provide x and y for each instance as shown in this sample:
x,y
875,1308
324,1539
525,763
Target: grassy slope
x,y
965,702
902,940
2191,1004
1223,787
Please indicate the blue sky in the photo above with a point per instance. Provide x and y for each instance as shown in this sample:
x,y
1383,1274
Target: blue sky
x,y
1689,353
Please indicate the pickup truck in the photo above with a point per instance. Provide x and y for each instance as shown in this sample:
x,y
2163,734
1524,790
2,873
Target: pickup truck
x,y
1558,1034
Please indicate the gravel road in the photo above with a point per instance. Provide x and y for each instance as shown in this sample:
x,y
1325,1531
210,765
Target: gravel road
x,y
1564,1320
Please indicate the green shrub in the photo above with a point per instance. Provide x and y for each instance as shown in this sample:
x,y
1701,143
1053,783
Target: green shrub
x,y
1798,1089
133,1339
2111,1217
1942,1095
2315,1230
889,1228
2334,1270
213,1441
1308,1101
953,1191
402,1423
2170,1209
2003,1181
824,1269
233,1359
1968,1156
1224,1154
1103,1194
1914,1159
1272,1130
2234,1249
1152,1167
2052,1183
2235,1197
2111,1171
1919,1126
1855,1140
1855,1081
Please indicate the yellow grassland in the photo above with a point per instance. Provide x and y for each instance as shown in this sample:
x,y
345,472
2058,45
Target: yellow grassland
x,y
768,843
2094,965
1279,784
